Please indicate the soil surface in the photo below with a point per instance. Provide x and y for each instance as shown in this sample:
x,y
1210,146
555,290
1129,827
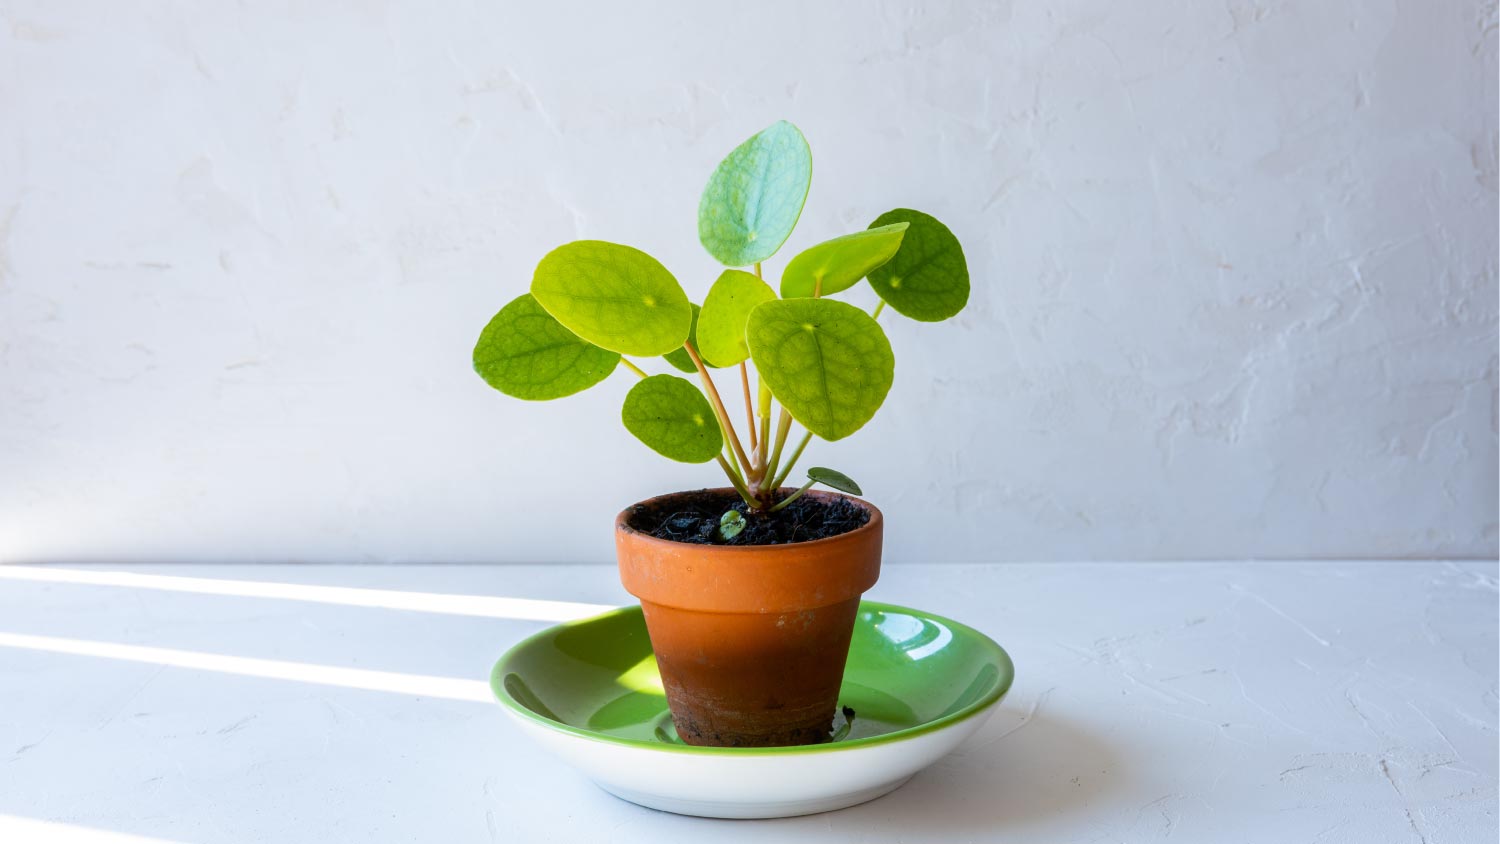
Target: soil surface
x,y
693,517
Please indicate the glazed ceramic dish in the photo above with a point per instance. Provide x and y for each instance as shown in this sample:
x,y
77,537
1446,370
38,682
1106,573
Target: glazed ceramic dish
x,y
917,685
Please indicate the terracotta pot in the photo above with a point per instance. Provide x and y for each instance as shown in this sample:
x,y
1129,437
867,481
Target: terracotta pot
x,y
750,640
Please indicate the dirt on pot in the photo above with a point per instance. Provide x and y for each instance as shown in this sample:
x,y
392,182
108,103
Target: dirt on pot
x,y
693,518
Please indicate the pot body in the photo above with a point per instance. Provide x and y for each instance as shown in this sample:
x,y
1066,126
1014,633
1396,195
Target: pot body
x,y
750,640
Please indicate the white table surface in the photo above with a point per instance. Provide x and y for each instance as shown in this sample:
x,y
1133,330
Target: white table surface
x,y
1275,702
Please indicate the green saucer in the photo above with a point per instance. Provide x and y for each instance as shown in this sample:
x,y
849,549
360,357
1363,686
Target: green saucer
x,y
918,686
908,672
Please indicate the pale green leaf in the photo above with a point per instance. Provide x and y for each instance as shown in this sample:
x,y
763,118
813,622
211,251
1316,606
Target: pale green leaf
x,y
928,279
671,416
755,195
614,296
837,265
525,353
833,478
731,524
726,310
828,362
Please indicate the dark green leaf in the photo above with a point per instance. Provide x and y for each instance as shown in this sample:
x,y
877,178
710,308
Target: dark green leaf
x,y
525,353
829,363
928,279
671,416
833,478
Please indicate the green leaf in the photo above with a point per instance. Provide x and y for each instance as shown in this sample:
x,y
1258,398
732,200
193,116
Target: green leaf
x,y
721,338
928,280
754,197
614,296
679,357
833,478
525,353
828,362
668,414
730,525
837,265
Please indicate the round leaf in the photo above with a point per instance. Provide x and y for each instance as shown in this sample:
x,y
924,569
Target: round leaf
x,y
668,414
525,353
754,197
833,478
614,296
721,332
679,357
837,265
828,362
928,280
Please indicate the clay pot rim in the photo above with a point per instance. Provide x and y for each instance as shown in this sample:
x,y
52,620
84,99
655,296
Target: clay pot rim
x,y
622,525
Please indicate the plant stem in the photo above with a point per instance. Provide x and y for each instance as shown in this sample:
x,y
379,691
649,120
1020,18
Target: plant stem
x,y
739,485
762,470
763,402
793,497
782,428
729,461
878,308
633,368
765,428
787,469
749,405
718,404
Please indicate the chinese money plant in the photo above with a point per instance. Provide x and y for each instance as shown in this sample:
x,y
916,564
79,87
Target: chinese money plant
x,y
819,363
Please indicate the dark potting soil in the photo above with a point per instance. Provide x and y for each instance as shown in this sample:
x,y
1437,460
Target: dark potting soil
x,y
693,517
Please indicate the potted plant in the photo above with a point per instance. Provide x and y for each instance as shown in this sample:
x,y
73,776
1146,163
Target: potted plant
x,y
749,591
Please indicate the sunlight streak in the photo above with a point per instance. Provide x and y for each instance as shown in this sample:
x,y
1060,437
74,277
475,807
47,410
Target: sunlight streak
x,y
644,677
419,685
483,606
33,831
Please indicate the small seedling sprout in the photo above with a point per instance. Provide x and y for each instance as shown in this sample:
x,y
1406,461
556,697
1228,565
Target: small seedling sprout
x,y
730,525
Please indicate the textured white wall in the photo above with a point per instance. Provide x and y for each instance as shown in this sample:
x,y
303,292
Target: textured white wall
x,y
1234,265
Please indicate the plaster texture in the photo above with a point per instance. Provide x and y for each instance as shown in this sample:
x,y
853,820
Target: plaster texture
x,y
1234,268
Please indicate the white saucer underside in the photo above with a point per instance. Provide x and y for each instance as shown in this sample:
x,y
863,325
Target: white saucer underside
x,y
747,809
770,785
